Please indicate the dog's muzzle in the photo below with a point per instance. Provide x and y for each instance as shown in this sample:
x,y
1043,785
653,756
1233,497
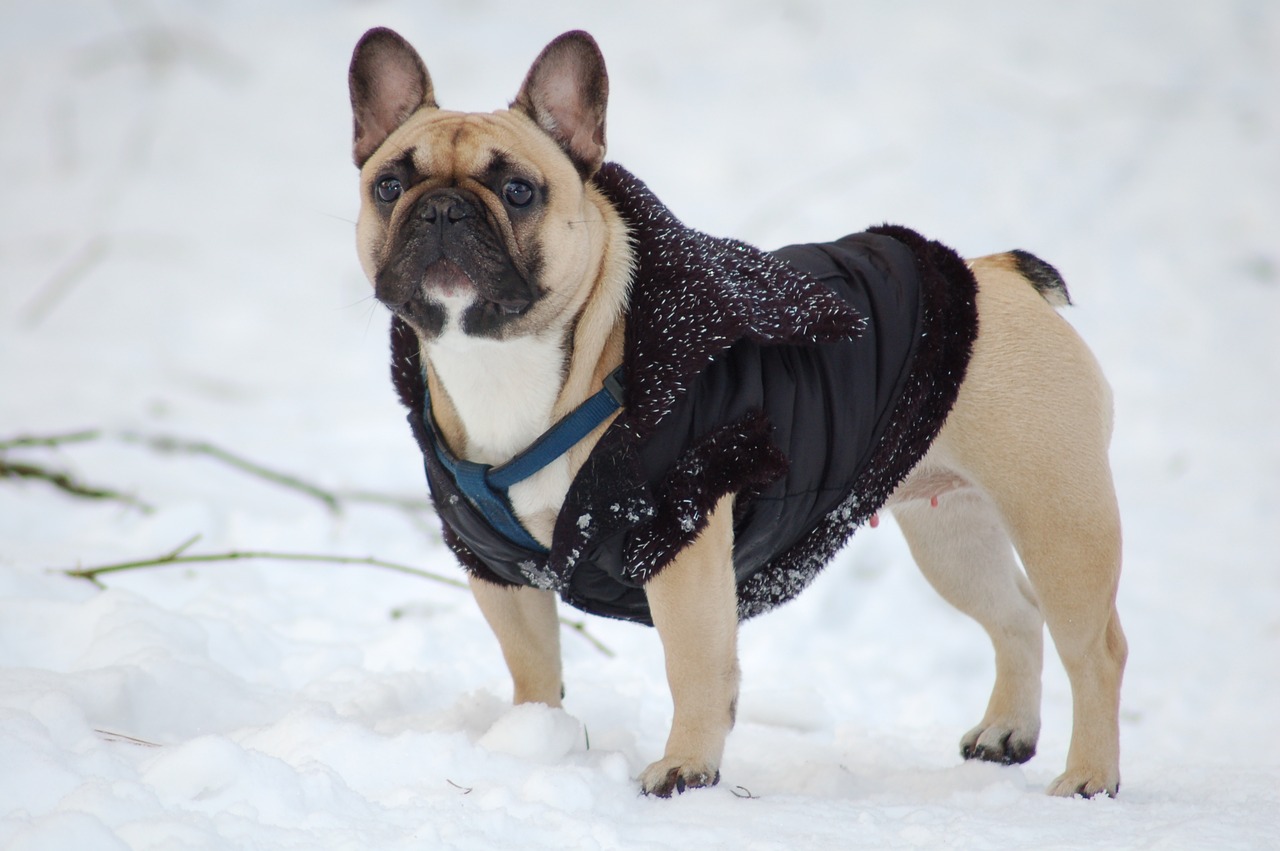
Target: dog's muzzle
x,y
447,251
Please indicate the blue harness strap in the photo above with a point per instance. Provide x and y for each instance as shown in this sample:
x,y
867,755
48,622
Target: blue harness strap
x,y
485,486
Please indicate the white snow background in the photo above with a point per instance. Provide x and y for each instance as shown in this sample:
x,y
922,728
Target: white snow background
x,y
176,258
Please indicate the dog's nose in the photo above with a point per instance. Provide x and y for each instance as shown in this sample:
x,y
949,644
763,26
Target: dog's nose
x,y
443,208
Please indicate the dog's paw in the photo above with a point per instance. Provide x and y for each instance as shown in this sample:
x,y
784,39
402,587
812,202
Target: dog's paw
x,y
674,775
1001,743
1086,783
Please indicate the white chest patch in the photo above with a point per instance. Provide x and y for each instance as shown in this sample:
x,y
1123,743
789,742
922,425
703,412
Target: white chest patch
x,y
504,392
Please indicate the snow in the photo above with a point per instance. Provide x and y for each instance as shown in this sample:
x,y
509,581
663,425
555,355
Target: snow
x,y
176,258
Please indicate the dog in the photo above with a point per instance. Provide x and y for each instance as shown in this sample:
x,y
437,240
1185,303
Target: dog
x,y
596,389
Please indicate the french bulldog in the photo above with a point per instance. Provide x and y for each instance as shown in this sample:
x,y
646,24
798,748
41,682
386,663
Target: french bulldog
x,y
530,281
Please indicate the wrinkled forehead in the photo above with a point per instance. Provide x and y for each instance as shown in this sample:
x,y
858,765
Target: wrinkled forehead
x,y
437,144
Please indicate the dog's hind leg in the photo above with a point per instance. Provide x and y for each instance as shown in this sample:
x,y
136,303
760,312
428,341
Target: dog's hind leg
x,y
964,552
1030,428
1069,541
525,622
694,604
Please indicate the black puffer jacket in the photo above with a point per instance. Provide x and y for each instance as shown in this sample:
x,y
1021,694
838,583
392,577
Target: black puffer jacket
x,y
808,381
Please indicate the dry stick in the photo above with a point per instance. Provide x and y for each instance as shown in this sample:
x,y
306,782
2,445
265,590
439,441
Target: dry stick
x,y
48,441
333,500
163,443
86,258
171,444
404,503
176,556
64,482
112,736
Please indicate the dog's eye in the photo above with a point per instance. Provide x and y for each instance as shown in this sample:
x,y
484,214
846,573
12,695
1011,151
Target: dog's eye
x,y
518,193
388,189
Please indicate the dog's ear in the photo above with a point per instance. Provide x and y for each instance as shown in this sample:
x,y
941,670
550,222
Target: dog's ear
x,y
566,93
388,83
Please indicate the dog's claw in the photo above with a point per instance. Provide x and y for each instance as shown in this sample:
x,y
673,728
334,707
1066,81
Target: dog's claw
x,y
992,745
1072,784
676,780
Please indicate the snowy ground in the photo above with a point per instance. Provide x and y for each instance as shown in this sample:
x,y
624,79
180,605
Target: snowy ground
x,y
176,258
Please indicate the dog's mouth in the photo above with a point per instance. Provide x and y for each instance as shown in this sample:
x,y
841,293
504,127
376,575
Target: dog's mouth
x,y
449,282
447,295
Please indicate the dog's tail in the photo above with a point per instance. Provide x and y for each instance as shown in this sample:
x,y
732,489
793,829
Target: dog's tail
x,y
1046,279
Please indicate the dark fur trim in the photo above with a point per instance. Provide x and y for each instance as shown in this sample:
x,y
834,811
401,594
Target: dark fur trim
x,y
406,366
739,458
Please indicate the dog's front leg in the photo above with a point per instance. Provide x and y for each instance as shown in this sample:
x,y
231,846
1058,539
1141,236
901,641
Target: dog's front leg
x,y
695,609
524,619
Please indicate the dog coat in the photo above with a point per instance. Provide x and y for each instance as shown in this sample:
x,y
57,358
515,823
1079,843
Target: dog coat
x,y
809,381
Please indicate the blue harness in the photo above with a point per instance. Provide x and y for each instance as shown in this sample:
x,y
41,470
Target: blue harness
x,y
486,486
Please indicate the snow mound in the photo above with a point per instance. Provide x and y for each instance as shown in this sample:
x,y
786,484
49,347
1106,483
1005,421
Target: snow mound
x,y
535,732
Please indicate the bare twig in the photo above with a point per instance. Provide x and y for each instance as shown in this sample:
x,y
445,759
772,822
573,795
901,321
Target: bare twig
x,y
580,627
183,547
165,443
334,500
404,503
466,790
177,556
48,441
88,257
110,736
64,482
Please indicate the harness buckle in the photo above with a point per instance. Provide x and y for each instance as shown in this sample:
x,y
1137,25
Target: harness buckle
x,y
613,382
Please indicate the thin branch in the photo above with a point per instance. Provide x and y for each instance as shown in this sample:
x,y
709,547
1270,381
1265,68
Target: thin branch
x,y
580,627
164,443
111,736
48,441
65,483
56,288
177,557
183,547
410,504
334,500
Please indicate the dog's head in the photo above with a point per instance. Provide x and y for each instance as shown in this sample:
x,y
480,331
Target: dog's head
x,y
483,224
